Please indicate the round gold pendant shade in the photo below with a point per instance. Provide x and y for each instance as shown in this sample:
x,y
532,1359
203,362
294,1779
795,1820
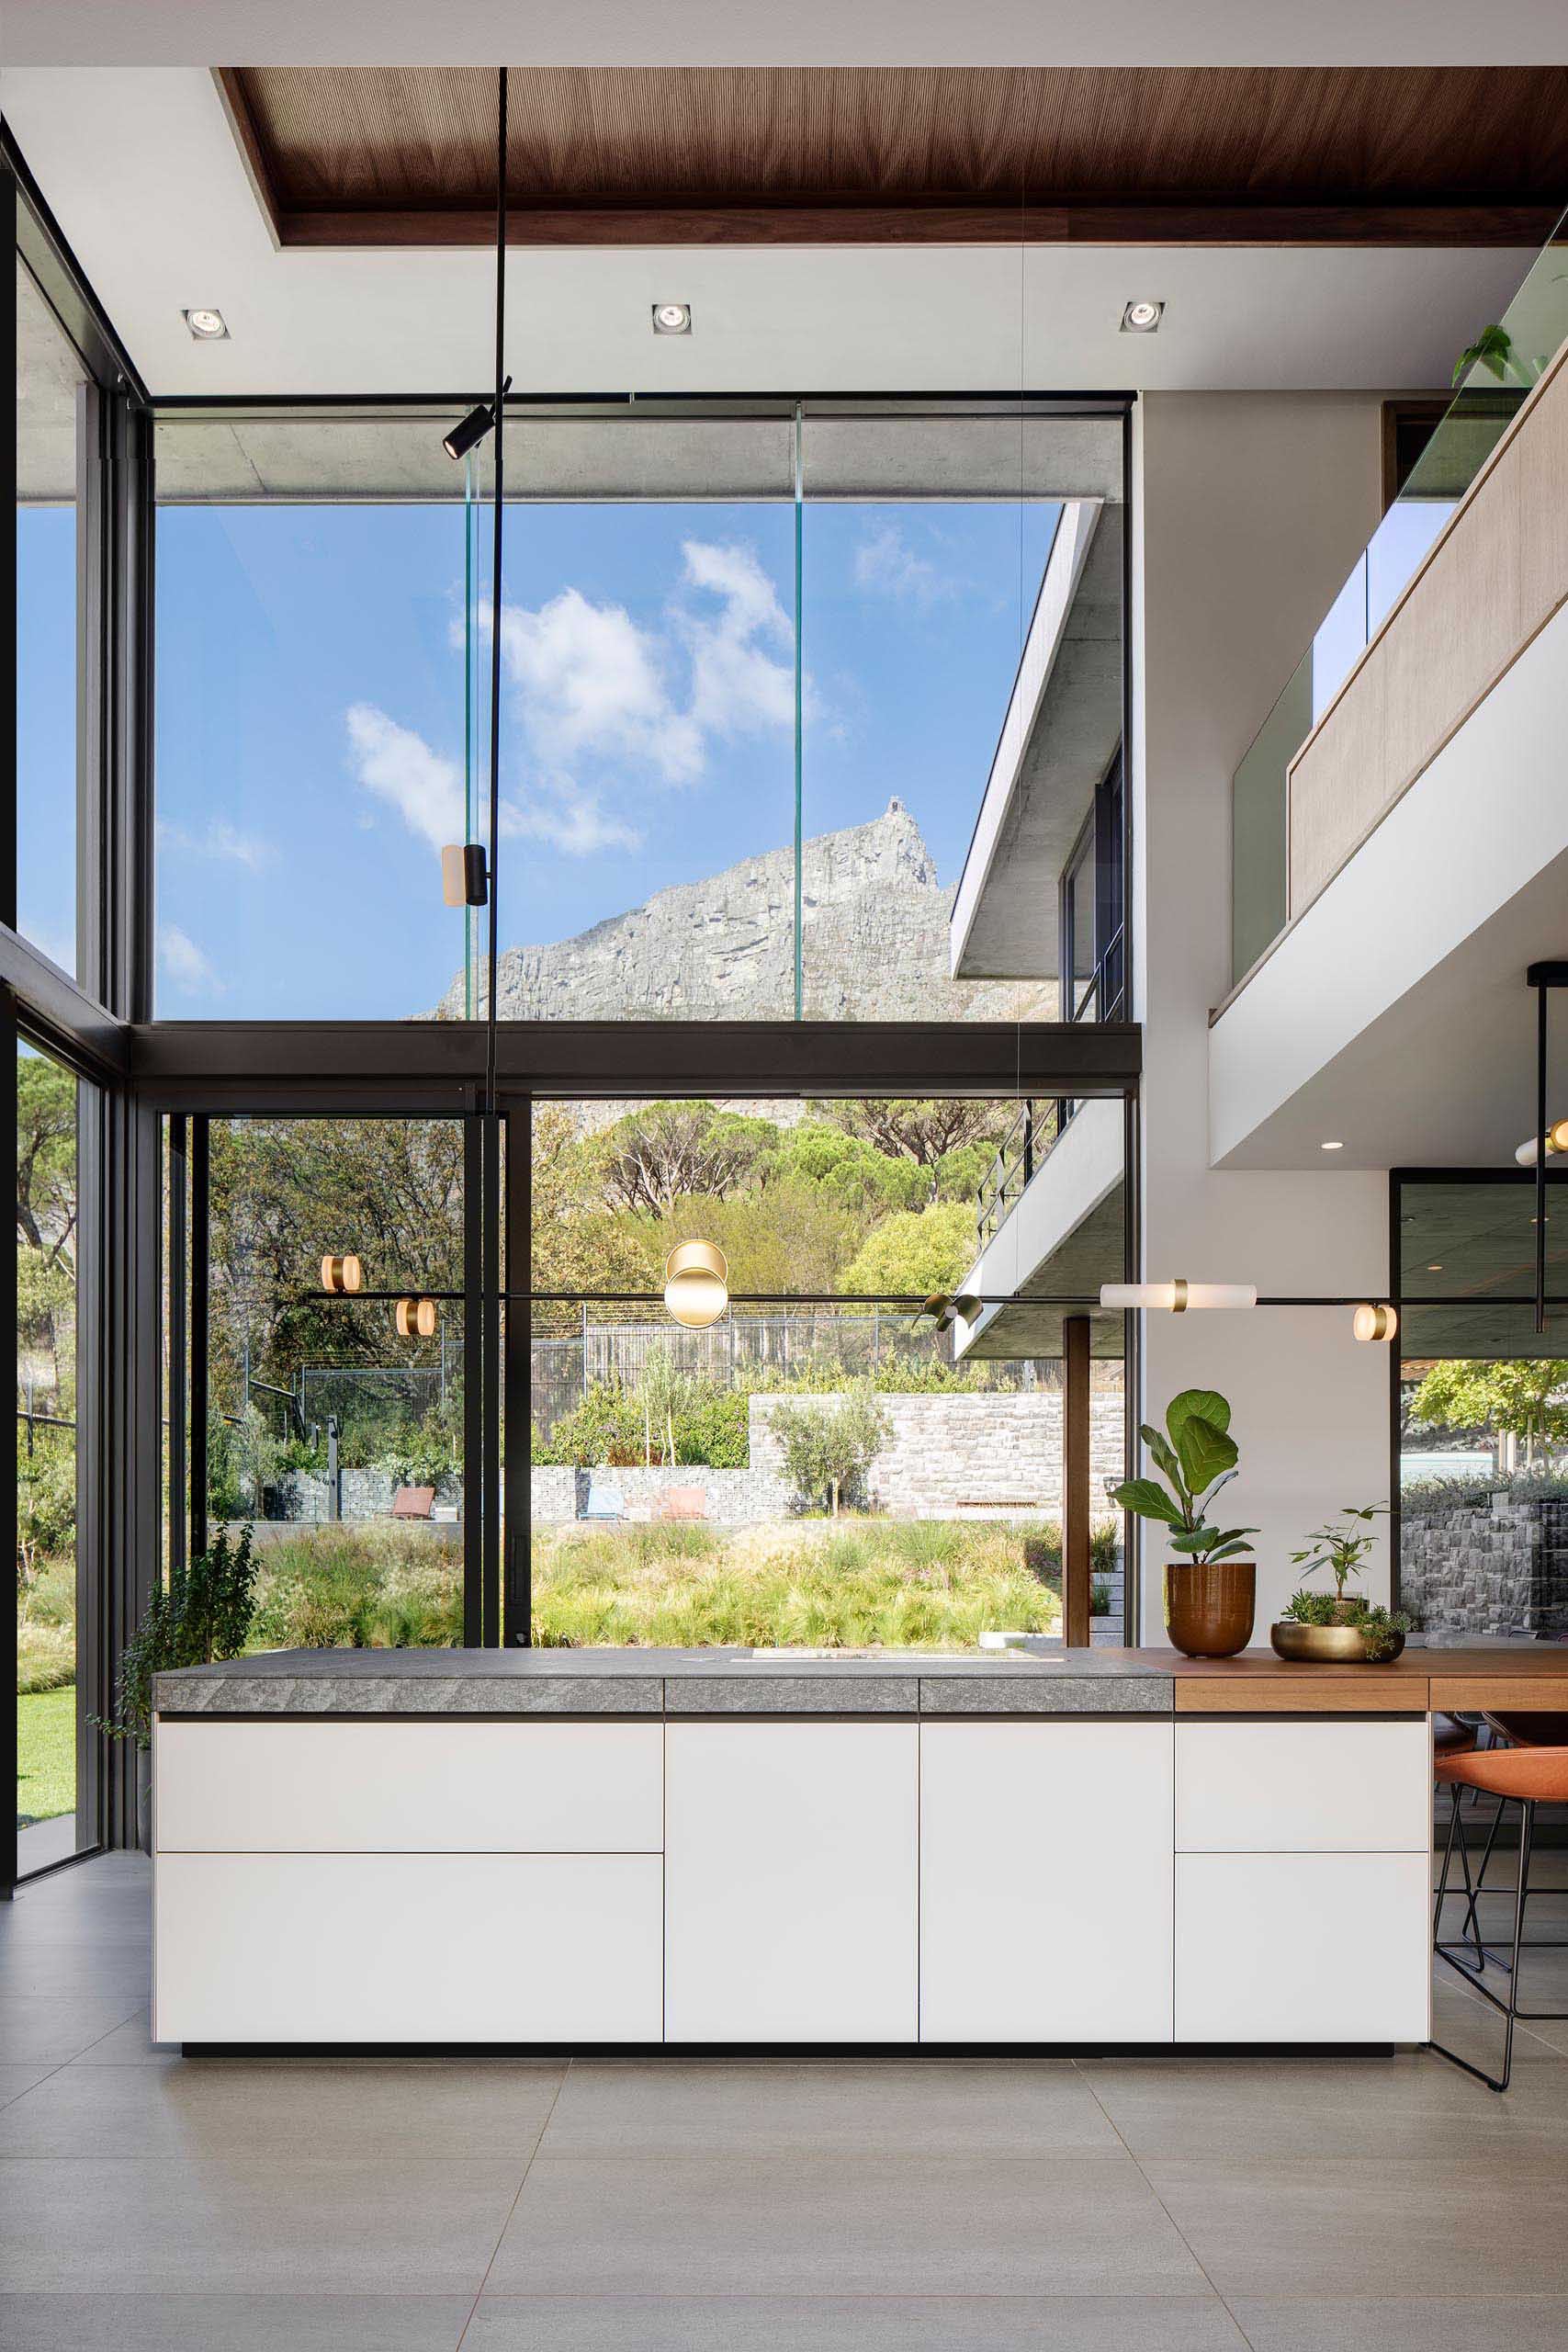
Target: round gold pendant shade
x,y
415,1318
341,1276
696,1283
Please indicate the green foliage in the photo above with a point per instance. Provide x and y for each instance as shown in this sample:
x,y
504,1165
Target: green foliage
x,y
663,1152
1377,1625
204,1613
828,1448
866,1181
1198,1456
382,1585
1524,1397
46,1753
46,1502
606,1428
615,1427
914,1252
1341,1547
822,1584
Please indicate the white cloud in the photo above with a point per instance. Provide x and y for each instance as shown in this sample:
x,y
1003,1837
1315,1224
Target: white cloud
x,y
401,768
221,841
886,564
603,704
183,962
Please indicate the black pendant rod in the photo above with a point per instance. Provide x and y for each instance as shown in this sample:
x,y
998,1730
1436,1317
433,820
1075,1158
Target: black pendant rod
x,y
495,594
1541,998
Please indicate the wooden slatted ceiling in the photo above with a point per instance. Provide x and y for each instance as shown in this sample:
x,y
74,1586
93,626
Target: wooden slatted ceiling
x,y
1430,154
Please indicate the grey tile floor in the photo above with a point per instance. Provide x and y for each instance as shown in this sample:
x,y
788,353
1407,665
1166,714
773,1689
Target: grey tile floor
x,y
152,2203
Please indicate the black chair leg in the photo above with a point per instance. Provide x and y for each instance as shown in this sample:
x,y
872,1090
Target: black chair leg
x,y
1509,2009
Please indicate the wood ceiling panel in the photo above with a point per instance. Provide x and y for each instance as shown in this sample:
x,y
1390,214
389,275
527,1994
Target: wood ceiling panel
x,y
1430,154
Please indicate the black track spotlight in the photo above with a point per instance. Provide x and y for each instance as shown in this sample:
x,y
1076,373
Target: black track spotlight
x,y
467,435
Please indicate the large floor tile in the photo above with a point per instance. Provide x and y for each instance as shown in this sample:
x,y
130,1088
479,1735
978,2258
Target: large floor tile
x,y
106,2225
130,2044
1371,2226
200,2108
53,2026
1413,2106
834,2109
232,2322
1418,2324
902,2323
840,2226
15,2080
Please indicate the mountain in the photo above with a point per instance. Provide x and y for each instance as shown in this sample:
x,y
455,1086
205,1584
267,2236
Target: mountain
x,y
875,928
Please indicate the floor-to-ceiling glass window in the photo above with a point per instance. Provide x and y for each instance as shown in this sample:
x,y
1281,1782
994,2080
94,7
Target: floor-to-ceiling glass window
x,y
1482,1436
49,375
822,1465
47,1705
335,1423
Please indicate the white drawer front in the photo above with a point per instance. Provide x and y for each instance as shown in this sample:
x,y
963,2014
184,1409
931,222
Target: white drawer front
x,y
1302,1947
391,1787
1325,1786
792,1874
1046,1882
408,1948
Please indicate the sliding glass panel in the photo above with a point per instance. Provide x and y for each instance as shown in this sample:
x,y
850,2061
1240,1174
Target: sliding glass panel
x,y
49,375
818,1466
1483,1413
47,1705
337,1440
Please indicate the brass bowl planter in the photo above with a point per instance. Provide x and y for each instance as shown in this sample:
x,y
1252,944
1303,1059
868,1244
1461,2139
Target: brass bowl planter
x,y
1209,1604
1332,1645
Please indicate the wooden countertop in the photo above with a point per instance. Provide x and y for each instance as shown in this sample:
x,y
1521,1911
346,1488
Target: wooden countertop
x,y
1522,1675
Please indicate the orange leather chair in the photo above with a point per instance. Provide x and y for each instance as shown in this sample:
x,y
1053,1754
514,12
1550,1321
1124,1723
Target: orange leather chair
x,y
1522,1775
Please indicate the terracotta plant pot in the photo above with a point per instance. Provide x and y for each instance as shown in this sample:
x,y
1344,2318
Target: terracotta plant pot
x,y
1209,1605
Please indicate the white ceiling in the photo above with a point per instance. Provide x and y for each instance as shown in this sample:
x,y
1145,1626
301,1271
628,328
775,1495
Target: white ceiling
x,y
144,175
810,32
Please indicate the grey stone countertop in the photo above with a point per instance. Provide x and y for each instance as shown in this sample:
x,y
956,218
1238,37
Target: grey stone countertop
x,y
1044,1681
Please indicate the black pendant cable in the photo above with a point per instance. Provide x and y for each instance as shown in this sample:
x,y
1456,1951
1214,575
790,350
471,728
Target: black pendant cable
x,y
491,1109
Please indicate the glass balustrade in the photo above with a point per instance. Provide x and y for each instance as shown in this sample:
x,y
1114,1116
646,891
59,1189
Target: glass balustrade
x,y
1494,380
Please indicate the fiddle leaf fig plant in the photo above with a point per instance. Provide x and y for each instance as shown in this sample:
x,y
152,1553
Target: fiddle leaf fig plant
x,y
1198,1456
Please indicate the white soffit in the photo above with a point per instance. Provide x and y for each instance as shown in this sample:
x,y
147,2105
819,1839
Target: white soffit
x,y
812,32
142,172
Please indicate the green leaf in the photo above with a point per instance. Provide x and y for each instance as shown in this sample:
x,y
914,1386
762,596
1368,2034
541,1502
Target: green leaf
x,y
1227,1551
1205,1452
1206,1403
1147,1499
1162,1452
1195,1539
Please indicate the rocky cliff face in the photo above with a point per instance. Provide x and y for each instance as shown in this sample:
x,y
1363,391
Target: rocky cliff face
x,y
874,932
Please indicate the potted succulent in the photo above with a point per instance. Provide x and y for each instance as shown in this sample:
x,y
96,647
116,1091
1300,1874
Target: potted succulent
x,y
1339,1625
1210,1592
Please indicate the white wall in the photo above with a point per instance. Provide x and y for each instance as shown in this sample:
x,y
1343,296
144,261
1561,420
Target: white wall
x,y
1250,510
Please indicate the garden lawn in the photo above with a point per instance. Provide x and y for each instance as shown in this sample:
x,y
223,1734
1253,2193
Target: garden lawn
x,y
46,1754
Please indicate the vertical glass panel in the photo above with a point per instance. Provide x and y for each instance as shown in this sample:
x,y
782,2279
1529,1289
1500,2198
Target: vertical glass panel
x,y
339,1441
817,1467
1484,1414
47,1700
313,649
48,374
961,602
647,721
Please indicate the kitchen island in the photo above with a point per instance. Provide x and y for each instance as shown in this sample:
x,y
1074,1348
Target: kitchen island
x,y
727,1848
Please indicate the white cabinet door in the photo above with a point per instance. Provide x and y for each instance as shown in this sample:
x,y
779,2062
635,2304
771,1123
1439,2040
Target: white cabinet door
x,y
408,1948
791,1881
382,1786
1325,1786
1303,1947
1046,1882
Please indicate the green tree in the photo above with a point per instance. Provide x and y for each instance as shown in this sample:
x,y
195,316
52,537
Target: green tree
x,y
828,1448
925,1130
1524,1397
662,1152
850,1168
792,1237
916,1252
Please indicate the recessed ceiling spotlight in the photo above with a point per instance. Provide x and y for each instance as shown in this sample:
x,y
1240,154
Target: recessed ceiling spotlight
x,y
1331,1147
672,318
206,325
1142,318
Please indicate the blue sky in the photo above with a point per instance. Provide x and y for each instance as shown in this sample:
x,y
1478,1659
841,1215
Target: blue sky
x,y
310,719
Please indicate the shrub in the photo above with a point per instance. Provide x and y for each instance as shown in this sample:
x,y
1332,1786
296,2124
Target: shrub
x,y
827,1449
204,1613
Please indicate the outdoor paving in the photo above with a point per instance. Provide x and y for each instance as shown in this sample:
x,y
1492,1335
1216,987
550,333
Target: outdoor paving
x,y
153,2204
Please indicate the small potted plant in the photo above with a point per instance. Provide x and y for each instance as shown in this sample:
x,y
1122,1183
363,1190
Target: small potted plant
x,y
1211,1593
1339,1625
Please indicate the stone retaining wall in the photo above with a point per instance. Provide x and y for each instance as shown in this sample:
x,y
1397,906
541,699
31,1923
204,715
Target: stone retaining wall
x,y
1496,1566
970,1456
